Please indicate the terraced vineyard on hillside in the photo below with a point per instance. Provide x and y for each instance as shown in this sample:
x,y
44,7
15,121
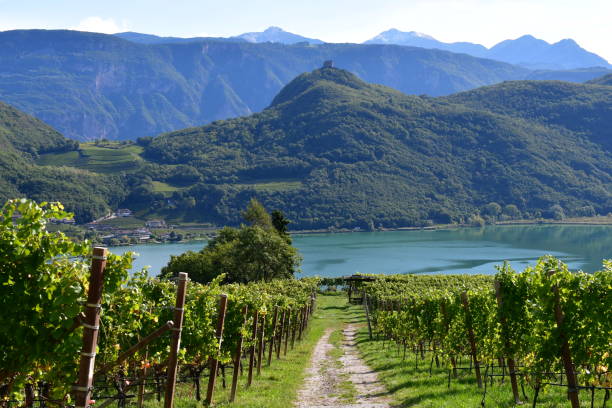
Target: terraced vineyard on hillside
x,y
107,158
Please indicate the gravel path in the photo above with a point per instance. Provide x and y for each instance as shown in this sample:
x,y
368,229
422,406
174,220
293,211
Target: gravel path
x,y
325,374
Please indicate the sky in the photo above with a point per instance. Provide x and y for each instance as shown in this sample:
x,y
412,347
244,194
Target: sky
x,y
487,22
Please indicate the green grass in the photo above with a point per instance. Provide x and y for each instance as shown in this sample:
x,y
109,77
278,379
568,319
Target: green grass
x,y
278,385
161,187
414,387
272,186
115,157
109,158
59,159
336,340
346,389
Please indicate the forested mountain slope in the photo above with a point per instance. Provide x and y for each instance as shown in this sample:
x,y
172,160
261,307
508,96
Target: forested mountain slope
x,y
93,86
351,153
22,139
583,109
603,80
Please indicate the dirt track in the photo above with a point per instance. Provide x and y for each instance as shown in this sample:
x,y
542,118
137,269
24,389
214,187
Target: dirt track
x,y
325,374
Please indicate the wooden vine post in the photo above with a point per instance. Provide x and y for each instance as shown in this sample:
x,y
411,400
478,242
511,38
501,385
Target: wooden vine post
x,y
29,395
367,311
179,312
237,356
304,319
301,323
572,386
294,328
287,328
91,324
445,317
280,335
214,363
272,335
506,339
260,343
472,340
141,386
253,348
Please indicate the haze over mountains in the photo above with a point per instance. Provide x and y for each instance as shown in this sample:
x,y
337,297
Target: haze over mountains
x,y
526,51
92,86
271,34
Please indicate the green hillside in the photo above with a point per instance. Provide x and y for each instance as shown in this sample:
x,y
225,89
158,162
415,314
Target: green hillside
x,y
368,154
334,151
604,80
583,109
100,158
29,135
24,139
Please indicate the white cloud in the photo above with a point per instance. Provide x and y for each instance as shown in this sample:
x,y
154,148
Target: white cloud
x,y
101,25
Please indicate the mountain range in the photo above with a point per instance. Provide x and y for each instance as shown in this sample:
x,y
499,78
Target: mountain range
x,y
526,51
271,34
141,38
333,150
92,86
277,35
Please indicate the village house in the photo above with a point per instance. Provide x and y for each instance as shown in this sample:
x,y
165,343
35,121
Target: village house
x,y
70,221
124,212
156,224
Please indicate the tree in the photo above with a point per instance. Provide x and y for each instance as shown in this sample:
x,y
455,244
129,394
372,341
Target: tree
x,y
256,214
196,264
257,252
512,211
476,221
280,223
556,212
586,211
492,209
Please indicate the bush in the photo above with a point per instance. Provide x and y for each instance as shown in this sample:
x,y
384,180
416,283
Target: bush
x,y
476,221
258,252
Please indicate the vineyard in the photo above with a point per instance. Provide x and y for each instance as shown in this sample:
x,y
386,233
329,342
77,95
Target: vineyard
x,y
544,327
82,332
78,331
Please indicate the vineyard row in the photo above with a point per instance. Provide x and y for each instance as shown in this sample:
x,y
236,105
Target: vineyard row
x,y
146,332
542,322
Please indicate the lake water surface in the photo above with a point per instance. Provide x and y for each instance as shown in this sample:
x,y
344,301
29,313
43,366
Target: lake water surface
x,y
465,250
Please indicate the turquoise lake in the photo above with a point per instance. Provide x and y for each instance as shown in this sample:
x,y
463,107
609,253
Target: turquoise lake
x,y
464,250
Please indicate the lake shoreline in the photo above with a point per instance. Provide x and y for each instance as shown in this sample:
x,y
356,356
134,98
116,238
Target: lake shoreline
x,y
607,220
586,221
449,250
